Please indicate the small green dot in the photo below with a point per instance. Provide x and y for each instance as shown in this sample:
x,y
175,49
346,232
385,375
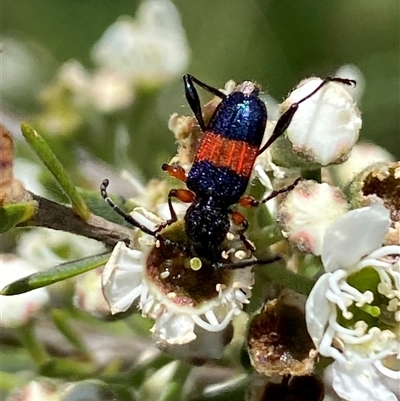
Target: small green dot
x,y
195,264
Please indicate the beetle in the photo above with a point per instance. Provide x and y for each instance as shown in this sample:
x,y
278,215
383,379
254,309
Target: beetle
x,y
221,169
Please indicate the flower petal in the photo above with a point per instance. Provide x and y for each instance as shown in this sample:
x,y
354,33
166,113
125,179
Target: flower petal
x,y
174,329
354,235
361,381
122,278
317,309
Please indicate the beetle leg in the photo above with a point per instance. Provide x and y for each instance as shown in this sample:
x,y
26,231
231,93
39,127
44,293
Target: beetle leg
x,y
249,201
246,263
240,220
283,190
184,195
127,217
175,171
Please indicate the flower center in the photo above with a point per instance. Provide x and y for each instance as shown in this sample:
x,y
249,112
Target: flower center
x,y
169,269
376,310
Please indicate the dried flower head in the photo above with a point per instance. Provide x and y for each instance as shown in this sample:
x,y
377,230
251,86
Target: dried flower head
x,y
277,341
380,183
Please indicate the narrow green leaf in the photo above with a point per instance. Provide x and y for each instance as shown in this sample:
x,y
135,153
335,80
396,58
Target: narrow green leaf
x,y
13,214
10,381
63,323
42,149
55,274
67,369
32,344
99,207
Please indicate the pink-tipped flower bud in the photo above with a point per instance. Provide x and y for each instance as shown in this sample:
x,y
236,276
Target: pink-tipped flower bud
x,y
306,213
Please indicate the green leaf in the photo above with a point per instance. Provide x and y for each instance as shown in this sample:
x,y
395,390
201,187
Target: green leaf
x,y
13,214
99,207
42,149
63,323
55,274
67,368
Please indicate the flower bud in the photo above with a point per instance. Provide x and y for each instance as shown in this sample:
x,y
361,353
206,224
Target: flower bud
x,y
362,156
45,248
11,190
323,130
306,213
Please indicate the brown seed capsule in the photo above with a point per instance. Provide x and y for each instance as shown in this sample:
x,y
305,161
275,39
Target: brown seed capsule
x,y
380,183
278,342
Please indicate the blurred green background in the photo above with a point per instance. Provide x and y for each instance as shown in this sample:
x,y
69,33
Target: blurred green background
x,y
277,43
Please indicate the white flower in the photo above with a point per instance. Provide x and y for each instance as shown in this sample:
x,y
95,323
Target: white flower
x,y
353,311
74,78
110,91
148,50
16,310
177,297
66,99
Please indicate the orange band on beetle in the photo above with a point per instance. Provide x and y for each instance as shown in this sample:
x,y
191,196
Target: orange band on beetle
x,y
238,156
